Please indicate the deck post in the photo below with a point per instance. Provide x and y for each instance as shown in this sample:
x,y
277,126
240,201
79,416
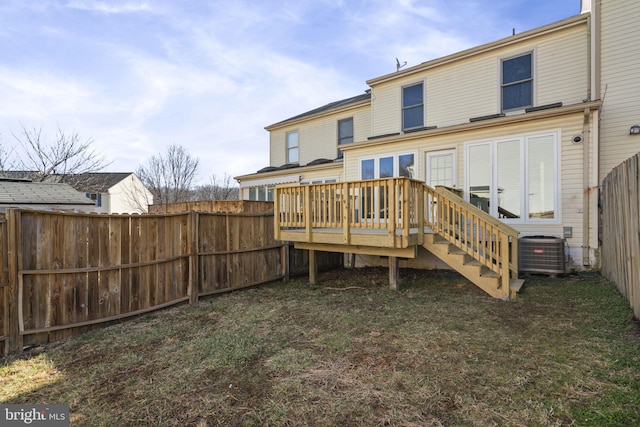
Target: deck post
x,y
284,258
394,273
313,268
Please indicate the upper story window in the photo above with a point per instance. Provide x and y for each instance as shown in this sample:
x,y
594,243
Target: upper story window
x,y
293,155
517,82
345,133
413,107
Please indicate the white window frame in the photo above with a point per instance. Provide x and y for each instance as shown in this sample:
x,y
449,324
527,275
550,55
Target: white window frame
x,y
423,82
524,173
534,80
430,154
396,163
289,149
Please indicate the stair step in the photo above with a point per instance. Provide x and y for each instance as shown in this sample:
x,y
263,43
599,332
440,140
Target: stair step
x,y
516,284
473,262
485,272
456,251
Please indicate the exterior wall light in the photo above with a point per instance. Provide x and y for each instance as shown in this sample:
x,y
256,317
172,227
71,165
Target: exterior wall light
x,y
635,130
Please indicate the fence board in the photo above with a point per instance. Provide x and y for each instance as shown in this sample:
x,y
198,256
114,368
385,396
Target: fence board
x,y
4,288
73,272
620,197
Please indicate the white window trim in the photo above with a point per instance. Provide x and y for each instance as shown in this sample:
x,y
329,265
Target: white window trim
x,y
534,78
396,163
287,148
331,179
524,200
438,153
424,103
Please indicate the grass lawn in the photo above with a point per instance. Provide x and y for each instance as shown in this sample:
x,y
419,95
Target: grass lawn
x,y
350,352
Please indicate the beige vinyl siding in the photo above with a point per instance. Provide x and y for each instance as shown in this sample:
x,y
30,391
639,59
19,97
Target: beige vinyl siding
x,y
562,69
571,189
620,78
458,91
335,171
318,137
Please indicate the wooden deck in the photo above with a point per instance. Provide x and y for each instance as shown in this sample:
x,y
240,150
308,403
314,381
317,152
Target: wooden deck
x,y
393,217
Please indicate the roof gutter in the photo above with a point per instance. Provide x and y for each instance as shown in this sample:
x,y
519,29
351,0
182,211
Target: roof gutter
x,y
466,127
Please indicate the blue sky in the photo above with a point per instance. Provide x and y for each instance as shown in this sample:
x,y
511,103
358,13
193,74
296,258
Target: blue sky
x,y
139,75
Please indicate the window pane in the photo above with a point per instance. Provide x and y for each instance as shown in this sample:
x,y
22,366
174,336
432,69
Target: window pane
x,y
292,155
412,106
480,176
292,147
345,131
270,194
517,96
386,167
440,169
261,194
516,69
292,139
253,194
368,171
412,95
508,170
541,169
405,164
413,117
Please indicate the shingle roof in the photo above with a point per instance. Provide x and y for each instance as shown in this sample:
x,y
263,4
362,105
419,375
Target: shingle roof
x,y
330,106
98,182
40,193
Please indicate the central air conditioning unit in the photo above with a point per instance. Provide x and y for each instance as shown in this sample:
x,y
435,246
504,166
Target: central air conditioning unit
x,y
541,254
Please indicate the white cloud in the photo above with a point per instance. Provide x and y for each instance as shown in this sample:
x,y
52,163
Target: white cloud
x,y
110,7
137,76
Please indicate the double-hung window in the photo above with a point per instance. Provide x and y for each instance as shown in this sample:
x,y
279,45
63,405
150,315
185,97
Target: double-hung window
x,y
413,107
345,133
517,82
293,155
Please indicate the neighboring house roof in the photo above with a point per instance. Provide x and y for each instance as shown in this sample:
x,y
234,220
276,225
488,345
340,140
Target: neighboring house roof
x,y
326,108
40,193
99,182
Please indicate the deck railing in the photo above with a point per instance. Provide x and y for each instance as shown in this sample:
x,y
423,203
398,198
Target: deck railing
x,y
388,205
399,207
480,235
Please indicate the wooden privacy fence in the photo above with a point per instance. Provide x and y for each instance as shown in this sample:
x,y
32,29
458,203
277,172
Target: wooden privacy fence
x,y
620,196
64,273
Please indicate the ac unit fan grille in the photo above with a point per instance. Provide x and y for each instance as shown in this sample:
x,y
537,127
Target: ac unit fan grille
x,y
541,255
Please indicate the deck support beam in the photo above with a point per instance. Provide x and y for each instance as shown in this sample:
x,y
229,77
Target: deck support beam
x,y
394,273
313,268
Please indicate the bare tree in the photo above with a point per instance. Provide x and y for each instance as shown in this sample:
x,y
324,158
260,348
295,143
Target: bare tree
x,y
218,189
170,176
67,154
7,160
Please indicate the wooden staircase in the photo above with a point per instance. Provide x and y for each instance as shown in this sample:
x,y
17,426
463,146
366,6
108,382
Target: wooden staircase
x,y
472,269
392,217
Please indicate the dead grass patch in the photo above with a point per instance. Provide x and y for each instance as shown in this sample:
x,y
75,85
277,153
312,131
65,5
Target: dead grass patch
x,y
351,352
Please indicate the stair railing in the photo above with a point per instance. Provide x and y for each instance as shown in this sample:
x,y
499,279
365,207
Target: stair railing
x,y
483,237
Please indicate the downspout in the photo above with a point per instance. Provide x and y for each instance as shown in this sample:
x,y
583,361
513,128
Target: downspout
x,y
587,188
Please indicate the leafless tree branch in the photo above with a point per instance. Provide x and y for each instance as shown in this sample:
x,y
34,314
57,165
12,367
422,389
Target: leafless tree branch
x,y
67,154
170,176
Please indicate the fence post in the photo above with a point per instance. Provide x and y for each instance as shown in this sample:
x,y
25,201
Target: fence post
x,y
194,244
13,294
